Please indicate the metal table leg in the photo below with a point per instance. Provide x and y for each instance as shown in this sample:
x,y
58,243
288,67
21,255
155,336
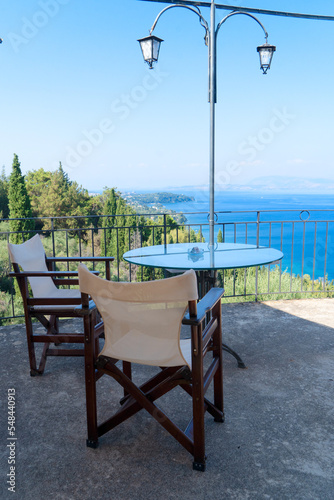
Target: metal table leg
x,y
205,281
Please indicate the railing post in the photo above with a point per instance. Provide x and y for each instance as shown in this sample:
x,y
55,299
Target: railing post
x,y
325,262
53,238
256,282
314,254
117,252
165,229
257,245
258,229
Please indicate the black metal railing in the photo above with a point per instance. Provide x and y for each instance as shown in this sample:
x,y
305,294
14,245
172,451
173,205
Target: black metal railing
x,y
306,237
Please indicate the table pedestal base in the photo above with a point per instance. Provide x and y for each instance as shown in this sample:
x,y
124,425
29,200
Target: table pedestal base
x,y
241,364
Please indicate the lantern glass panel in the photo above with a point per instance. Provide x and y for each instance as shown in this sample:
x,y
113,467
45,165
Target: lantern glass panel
x,y
156,49
265,57
146,47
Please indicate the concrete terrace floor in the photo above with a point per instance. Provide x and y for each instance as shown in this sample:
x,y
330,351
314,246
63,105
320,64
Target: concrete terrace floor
x,y
276,443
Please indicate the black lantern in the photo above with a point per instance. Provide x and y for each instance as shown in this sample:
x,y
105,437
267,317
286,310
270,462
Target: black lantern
x,y
150,46
266,52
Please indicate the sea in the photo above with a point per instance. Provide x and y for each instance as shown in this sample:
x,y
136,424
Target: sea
x,y
300,225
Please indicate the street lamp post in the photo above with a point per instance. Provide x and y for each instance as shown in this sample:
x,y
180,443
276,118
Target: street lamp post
x,y
150,46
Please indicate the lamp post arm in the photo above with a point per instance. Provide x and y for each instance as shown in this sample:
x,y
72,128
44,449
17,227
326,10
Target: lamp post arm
x,y
235,12
213,78
195,9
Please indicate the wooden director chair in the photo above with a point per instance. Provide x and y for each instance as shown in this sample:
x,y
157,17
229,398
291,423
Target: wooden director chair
x,y
31,266
142,323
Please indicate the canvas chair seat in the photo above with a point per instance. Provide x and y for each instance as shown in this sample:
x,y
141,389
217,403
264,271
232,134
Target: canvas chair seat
x,y
159,350
61,293
48,302
142,324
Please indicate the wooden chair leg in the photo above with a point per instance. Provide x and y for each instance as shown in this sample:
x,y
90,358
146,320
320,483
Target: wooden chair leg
x,y
128,372
31,346
90,378
218,353
48,324
198,405
56,327
97,346
42,362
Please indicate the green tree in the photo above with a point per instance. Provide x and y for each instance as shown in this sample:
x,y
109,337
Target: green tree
x,y
53,194
4,186
19,205
220,236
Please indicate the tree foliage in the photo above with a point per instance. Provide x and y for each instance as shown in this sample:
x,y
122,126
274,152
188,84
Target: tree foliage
x,y
53,194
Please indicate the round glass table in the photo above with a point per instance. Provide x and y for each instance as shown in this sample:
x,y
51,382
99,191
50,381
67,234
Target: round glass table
x,y
179,257
198,256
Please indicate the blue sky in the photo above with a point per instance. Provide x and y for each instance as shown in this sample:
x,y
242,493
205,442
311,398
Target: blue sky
x,y
75,89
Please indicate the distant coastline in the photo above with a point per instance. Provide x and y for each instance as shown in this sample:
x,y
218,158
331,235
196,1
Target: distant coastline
x,y
276,184
155,203
156,198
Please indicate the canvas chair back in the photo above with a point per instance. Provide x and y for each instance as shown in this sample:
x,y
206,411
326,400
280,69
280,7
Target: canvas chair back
x,y
142,321
30,256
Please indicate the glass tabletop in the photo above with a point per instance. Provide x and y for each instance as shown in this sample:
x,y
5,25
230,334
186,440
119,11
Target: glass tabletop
x,y
199,257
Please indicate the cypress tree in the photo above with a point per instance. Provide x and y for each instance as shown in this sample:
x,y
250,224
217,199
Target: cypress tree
x,y
122,222
120,229
109,242
19,205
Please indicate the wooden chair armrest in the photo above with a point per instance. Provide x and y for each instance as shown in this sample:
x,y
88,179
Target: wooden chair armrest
x,y
50,261
57,302
80,259
42,274
204,306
